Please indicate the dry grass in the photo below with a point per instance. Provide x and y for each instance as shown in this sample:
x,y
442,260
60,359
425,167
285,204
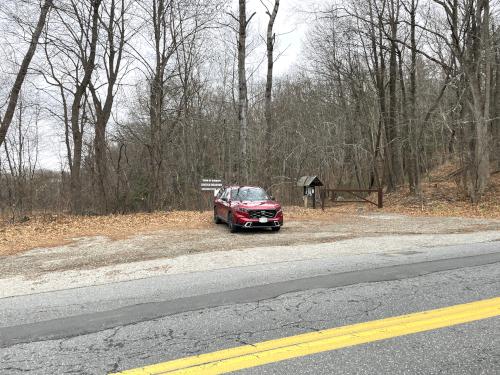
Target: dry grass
x,y
53,230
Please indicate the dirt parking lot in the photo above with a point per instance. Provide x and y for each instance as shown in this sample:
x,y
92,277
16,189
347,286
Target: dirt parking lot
x,y
92,252
177,246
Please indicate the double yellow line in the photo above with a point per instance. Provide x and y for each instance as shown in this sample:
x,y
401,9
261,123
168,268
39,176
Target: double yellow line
x,y
266,352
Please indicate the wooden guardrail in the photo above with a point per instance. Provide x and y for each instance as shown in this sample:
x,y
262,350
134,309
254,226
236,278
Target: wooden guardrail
x,y
332,195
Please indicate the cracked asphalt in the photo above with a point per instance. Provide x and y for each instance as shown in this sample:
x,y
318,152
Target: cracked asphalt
x,y
265,301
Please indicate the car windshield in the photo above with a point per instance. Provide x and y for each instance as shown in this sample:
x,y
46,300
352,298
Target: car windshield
x,y
249,194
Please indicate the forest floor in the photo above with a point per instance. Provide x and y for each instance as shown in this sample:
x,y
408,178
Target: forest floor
x,y
441,197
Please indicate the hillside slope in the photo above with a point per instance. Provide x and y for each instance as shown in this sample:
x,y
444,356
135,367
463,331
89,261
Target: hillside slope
x,y
443,196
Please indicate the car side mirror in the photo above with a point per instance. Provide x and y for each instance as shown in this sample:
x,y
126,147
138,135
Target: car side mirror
x,y
224,199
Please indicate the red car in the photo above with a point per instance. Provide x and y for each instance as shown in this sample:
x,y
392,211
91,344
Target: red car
x,y
247,207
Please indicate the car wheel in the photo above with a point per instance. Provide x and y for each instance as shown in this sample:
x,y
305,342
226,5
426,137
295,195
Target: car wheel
x,y
276,229
232,228
217,220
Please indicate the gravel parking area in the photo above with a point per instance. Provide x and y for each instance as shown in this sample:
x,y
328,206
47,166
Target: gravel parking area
x,y
99,251
94,260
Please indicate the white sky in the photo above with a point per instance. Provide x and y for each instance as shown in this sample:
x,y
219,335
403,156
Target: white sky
x,y
290,27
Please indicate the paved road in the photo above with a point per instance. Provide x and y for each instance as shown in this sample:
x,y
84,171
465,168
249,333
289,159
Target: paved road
x,y
114,327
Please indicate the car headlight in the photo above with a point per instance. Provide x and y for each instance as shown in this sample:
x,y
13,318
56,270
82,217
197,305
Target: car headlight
x,y
279,211
243,210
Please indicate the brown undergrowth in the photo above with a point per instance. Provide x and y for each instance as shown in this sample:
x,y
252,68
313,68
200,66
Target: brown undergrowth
x,y
53,230
443,196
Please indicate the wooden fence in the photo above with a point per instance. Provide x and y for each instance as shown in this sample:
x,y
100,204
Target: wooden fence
x,y
333,195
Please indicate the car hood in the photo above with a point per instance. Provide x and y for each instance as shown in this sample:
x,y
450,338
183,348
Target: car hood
x,y
258,205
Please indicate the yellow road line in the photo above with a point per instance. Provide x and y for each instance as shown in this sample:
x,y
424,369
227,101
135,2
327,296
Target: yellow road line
x,y
266,352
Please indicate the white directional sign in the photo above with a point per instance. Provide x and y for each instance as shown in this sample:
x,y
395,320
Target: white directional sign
x,y
210,184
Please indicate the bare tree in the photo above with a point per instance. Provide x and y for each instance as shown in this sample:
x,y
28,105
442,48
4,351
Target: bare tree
x,y
173,29
242,89
414,165
270,41
165,26
88,64
112,20
23,70
393,132
470,44
71,44
21,154
495,108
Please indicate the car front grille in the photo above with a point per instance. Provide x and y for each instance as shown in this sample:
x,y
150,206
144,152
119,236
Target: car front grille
x,y
257,214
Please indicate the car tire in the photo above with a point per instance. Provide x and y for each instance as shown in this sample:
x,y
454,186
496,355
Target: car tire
x,y
217,220
276,229
232,228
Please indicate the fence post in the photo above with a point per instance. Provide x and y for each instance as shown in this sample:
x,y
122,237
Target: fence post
x,y
380,198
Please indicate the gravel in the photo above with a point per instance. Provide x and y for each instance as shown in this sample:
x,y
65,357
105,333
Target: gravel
x,y
97,260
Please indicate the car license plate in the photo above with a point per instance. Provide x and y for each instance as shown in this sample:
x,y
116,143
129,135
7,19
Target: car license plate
x,y
263,220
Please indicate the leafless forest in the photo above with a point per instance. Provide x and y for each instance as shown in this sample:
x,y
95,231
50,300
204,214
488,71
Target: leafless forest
x,y
148,97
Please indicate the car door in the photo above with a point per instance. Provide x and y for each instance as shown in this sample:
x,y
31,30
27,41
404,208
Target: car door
x,y
225,204
217,201
220,206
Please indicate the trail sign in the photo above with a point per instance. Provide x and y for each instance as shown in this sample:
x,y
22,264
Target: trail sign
x,y
210,184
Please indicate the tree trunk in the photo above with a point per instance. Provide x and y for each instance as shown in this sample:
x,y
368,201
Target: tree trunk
x,y
156,147
480,171
77,121
479,79
379,72
23,70
101,164
242,93
393,132
414,165
112,58
269,87
495,108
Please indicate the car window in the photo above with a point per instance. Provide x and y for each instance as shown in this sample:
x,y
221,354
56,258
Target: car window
x,y
219,193
249,194
224,194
